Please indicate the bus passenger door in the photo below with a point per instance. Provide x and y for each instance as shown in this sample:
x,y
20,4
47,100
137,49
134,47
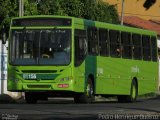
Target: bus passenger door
x,y
80,55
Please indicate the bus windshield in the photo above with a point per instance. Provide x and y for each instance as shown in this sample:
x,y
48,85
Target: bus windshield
x,y
40,47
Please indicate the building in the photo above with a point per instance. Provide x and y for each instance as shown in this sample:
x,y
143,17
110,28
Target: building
x,y
3,71
135,21
138,8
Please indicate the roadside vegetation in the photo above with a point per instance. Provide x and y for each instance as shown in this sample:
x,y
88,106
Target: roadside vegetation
x,y
88,9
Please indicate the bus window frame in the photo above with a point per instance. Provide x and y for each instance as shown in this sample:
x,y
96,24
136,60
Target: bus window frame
x,y
146,48
93,41
115,48
135,45
102,42
77,50
154,49
127,45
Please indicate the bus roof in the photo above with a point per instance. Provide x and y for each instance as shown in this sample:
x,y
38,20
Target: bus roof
x,y
43,16
114,26
96,24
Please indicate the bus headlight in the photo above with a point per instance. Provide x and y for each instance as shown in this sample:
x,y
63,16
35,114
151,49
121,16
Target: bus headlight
x,y
62,79
67,78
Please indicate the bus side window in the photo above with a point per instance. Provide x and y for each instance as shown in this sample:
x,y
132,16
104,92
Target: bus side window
x,y
146,48
92,41
80,46
103,42
154,48
115,49
126,45
136,48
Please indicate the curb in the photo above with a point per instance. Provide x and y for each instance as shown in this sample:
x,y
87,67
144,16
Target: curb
x,y
158,94
5,99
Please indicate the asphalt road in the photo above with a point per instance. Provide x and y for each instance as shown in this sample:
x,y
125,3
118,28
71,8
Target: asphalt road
x,y
66,109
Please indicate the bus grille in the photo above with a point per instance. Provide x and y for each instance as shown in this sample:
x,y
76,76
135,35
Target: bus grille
x,y
38,86
39,71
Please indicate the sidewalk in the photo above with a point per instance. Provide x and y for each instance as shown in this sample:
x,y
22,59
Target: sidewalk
x,y
158,94
6,99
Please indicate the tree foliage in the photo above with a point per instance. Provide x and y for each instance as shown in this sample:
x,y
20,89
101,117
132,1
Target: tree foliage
x,y
88,9
8,9
50,7
30,7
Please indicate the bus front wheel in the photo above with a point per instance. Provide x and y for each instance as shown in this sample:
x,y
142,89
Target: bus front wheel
x,y
88,95
30,98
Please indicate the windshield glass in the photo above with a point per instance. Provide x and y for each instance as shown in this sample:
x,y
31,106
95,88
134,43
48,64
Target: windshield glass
x,y
40,47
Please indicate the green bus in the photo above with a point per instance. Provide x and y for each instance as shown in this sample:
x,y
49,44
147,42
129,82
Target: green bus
x,y
72,57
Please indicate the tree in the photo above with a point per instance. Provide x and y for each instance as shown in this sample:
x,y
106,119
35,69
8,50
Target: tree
x,y
88,9
49,7
8,10
30,7
106,13
72,7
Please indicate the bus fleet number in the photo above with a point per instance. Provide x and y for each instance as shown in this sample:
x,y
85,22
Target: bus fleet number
x,y
29,76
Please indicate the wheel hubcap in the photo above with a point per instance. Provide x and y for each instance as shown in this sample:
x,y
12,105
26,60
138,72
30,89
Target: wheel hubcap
x,y
134,92
89,90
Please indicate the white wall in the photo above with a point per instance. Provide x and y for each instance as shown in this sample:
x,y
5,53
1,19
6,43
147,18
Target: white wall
x,y
3,68
3,72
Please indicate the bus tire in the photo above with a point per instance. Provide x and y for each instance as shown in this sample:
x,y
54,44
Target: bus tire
x,y
88,95
30,98
133,92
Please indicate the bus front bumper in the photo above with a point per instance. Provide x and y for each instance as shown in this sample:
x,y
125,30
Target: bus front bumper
x,y
66,86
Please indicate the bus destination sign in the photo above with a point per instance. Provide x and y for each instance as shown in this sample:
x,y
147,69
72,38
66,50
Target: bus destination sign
x,y
41,22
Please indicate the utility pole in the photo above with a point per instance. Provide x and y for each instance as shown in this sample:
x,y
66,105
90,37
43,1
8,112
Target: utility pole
x,y
21,8
122,13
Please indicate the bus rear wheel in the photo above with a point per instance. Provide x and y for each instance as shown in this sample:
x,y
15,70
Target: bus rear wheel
x,y
133,94
30,98
88,95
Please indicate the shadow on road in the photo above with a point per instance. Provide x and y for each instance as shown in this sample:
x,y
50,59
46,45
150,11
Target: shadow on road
x,y
71,101
64,101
